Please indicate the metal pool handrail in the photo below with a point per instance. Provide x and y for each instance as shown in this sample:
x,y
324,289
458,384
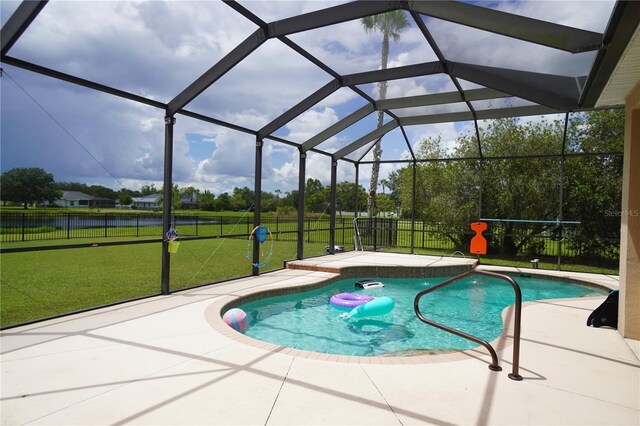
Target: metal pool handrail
x,y
514,375
356,236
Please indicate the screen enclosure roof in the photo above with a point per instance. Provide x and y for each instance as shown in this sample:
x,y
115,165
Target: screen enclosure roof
x,y
279,63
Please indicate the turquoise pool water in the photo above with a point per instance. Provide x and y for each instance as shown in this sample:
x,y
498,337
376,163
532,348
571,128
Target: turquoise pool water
x,y
307,321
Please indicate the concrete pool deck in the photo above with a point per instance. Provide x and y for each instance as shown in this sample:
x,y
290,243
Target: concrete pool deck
x,y
160,361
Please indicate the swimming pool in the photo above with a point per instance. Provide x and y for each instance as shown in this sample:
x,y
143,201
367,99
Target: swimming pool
x,y
474,305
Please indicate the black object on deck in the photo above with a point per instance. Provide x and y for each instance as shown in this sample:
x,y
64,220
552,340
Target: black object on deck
x,y
606,315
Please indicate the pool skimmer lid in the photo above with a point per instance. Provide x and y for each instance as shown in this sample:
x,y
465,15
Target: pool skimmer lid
x,y
368,284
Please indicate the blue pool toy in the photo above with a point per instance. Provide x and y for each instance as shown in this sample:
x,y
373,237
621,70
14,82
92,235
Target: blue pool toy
x,y
378,306
261,234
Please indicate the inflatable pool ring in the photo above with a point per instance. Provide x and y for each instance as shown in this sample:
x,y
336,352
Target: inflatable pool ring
x,y
349,300
379,306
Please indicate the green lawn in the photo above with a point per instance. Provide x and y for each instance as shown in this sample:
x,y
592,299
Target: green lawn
x,y
49,282
44,283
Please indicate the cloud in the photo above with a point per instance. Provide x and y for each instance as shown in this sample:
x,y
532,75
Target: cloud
x,y
447,132
465,44
156,49
233,156
150,48
73,140
310,123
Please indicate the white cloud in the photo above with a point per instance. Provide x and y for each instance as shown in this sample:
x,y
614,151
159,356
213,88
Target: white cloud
x,y
464,44
150,123
233,156
310,123
339,97
287,174
150,48
157,49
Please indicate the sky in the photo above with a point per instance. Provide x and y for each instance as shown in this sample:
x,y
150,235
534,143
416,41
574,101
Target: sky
x,y
157,48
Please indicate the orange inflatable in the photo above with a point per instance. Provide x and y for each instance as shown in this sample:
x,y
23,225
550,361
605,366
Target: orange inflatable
x,y
478,242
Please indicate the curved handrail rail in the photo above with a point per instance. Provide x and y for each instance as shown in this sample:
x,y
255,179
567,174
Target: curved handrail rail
x,y
356,236
514,375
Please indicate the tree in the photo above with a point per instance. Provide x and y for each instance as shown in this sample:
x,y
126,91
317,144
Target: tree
x,y
190,191
206,201
102,192
593,184
389,24
125,196
149,190
269,202
446,192
28,186
384,203
345,196
521,189
223,202
316,196
384,184
125,199
242,198
95,190
176,203
393,184
291,199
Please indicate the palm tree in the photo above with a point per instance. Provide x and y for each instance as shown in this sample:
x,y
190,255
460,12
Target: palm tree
x,y
389,24
384,183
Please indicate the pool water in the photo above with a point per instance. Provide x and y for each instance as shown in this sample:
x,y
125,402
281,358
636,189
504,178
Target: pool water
x,y
474,305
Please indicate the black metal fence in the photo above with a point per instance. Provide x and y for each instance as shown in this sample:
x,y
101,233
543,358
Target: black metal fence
x,y
517,239
22,227
506,239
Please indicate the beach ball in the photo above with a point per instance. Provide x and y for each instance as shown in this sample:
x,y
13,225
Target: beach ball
x,y
236,319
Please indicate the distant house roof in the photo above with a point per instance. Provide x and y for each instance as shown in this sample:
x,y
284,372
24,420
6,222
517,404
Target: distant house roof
x,y
153,198
76,195
189,198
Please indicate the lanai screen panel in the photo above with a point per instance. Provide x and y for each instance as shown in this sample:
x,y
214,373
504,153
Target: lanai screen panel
x,y
259,89
281,73
280,167
7,8
473,46
153,49
347,47
47,124
270,11
523,136
393,146
444,140
409,87
321,116
353,133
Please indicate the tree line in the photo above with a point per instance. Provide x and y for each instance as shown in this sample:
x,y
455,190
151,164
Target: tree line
x,y
523,176
35,186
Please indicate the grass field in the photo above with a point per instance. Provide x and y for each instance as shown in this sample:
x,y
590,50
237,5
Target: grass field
x,y
46,283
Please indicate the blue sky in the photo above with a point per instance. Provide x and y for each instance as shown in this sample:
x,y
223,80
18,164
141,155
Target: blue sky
x,y
156,48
